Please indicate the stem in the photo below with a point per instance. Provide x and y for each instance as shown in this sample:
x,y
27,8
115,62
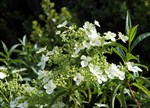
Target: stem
x,y
135,99
4,97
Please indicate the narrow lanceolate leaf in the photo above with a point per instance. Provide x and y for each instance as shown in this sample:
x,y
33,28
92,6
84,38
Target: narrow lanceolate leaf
x,y
141,87
132,34
2,55
118,45
139,39
143,66
128,24
58,94
123,101
13,48
146,81
129,57
114,96
5,48
120,53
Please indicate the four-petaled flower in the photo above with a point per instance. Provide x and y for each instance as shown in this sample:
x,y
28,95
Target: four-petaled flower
x,y
2,75
85,60
95,70
135,69
23,105
50,86
122,37
44,59
58,105
41,50
113,71
131,67
110,36
78,78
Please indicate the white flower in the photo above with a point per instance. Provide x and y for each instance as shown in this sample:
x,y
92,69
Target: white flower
x,y
113,71
89,26
23,105
41,50
131,67
13,104
96,23
101,78
95,70
95,42
85,60
86,44
58,105
92,34
62,25
2,75
78,78
50,53
122,37
44,59
121,75
78,48
110,36
50,86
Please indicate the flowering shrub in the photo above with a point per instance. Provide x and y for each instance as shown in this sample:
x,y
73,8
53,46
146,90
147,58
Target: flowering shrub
x,y
78,74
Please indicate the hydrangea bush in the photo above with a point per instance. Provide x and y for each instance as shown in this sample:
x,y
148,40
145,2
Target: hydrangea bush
x,y
78,73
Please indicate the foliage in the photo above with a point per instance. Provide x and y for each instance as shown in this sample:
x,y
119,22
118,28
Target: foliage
x,y
44,30
77,73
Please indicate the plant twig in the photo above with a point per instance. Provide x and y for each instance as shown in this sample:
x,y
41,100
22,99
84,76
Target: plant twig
x,y
135,99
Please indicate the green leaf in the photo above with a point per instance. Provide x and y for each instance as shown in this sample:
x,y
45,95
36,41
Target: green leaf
x,y
96,88
58,93
4,61
146,81
129,56
141,87
18,61
3,55
23,41
123,101
132,34
5,48
128,24
13,48
118,45
139,39
114,96
144,66
120,53
89,93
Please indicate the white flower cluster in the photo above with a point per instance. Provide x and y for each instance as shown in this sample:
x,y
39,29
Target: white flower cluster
x,y
93,38
102,75
114,71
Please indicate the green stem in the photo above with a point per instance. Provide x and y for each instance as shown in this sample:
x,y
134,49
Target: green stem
x,y
4,97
